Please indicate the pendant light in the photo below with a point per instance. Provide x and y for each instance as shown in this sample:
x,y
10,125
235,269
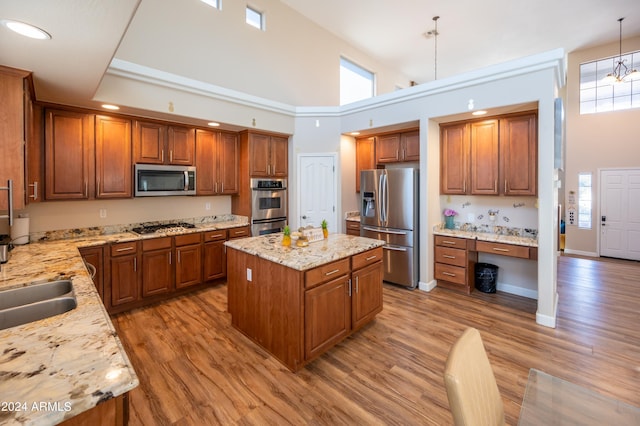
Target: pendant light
x,y
434,33
620,71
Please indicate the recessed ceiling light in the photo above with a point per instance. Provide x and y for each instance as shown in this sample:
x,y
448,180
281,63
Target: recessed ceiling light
x,y
26,30
213,124
111,107
479,112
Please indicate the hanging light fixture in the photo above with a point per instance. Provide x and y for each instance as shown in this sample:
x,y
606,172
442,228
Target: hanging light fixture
x,y
620,71
434,33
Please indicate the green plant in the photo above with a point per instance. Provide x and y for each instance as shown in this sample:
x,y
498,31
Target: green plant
x,y
324,224
286,230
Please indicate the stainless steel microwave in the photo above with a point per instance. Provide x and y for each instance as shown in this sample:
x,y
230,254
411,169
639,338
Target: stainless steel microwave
x,y
159,180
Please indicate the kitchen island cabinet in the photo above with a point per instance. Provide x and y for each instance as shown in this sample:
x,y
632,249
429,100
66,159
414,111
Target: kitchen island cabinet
x,y
297,303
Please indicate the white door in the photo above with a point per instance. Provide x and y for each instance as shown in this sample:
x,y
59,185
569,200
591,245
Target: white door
x,y
620,213
317,190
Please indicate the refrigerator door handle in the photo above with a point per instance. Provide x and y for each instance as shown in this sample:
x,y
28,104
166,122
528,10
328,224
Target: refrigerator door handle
x,y
394,248
380,201
384,184
366,228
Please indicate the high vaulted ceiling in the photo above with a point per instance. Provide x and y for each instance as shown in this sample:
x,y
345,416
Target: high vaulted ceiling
x,y
69,68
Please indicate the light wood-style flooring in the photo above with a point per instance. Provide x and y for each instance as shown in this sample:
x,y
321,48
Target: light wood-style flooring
x,y
195,369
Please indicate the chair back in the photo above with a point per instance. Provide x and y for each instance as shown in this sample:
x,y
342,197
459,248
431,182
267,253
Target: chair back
x,y
473,394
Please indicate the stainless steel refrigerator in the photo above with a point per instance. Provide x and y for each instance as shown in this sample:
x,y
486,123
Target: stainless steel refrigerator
x,y
389,211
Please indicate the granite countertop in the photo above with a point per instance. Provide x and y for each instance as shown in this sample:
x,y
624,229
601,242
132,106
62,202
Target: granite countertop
x,y
74,360
485,236
337,246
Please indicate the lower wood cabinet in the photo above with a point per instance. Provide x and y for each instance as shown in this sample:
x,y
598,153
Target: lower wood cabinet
x,y
454,263
214,257
124,275
353,228
188,260
366,294
157,266
94,256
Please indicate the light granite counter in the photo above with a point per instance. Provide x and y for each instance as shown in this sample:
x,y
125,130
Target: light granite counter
x,y
337,246
70,362
484,236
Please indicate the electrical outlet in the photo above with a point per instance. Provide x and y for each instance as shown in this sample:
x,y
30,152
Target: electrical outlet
x,y
207,206
249,274
471,218
103,213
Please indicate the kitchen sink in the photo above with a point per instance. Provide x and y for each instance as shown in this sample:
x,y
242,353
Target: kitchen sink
x,y
35,302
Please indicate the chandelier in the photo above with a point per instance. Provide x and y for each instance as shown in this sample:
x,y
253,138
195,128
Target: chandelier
x,y
620,71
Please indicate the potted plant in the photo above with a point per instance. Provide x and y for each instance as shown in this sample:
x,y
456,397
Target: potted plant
x,y
325,231
449,214
286,238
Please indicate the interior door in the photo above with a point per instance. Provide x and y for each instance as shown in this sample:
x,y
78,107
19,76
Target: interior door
x,y
317,191
620,213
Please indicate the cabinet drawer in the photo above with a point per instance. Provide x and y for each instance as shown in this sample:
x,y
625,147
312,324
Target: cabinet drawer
x,y
121,249
156,244
326,272
187,239
353,226
451,256
443,241
367,258
240,232
503,249
215,235
454,274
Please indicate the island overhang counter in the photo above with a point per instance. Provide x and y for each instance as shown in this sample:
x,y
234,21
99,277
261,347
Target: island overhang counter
x,y
298,302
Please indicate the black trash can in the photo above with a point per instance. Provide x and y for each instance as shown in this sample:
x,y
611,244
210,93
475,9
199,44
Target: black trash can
x,y
486,277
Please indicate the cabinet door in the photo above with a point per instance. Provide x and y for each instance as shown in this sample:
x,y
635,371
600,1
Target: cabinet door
x,y
259,165
484,158
519,146
227,160
410,143
94,257
181,146
388,149
113,157
367,294
279,166
149,141
69,138
124,280
327,316
188,265
215,261
205,162
157,272
454,157
365,157
34,121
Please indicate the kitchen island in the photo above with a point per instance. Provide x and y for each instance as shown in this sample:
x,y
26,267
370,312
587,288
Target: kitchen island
x,y
298,302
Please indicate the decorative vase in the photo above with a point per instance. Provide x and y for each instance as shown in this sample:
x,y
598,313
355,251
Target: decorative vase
x,y
448,222
286,240
325,232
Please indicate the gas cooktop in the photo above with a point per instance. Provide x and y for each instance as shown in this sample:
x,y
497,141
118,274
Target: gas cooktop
x,y
167,228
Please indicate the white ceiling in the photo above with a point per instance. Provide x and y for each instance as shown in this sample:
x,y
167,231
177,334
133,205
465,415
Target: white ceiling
x,y
68,69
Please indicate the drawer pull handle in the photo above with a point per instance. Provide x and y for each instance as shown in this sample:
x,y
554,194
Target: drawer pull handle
x,y
124,249
447,256
449,274
332,272
448,242
500,249
371,257
215,236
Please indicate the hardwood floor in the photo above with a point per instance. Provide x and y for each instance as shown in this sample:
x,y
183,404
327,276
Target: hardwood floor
x,y
196,369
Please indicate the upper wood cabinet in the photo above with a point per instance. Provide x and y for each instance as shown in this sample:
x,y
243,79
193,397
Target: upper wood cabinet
x,y
399,147
216,162
490,157
365,157
69,155
14,86
159,143
113,157
268,155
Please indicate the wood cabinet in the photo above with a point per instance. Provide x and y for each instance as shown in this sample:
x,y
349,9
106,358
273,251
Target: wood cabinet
x,y
216,162
268,155
157,266
113,157
454,263
124,275
94,256
239,232
69,155
14,121
490,157
214,258
365,157
398,147
110,412
188,260
352,227
160,143
366,300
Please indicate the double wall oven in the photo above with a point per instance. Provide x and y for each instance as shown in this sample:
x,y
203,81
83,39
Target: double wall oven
x,y
268,206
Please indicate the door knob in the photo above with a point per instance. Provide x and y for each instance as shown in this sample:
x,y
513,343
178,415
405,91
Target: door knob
x,y
304,217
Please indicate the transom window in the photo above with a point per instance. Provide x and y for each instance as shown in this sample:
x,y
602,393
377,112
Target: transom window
x,y
596,95
255,18
213,3
356,83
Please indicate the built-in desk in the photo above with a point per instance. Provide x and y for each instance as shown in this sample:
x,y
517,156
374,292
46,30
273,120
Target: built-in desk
x,y
456,254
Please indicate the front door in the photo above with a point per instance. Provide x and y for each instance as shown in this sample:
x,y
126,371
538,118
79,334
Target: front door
x,y
317,191
620,213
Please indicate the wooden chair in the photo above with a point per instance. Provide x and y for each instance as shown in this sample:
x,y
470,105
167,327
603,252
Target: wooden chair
x,y
473,394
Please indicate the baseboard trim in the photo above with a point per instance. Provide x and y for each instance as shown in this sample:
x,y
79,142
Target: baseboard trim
x,y
519,291
546,320
581,253
427,286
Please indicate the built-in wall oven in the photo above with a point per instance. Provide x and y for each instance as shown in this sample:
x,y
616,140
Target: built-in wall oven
x,y
268,205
